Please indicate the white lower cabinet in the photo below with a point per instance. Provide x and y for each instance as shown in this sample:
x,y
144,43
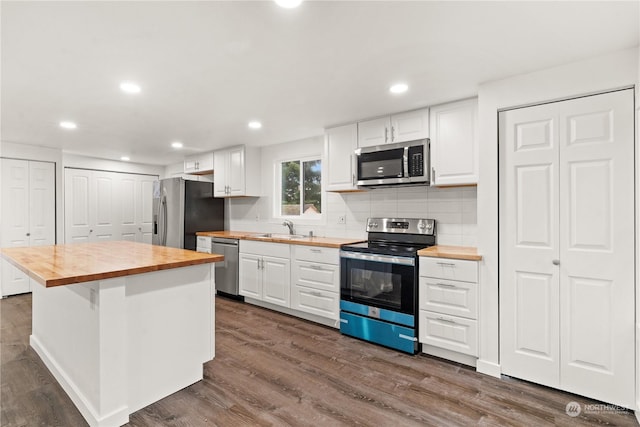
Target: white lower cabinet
x,y
299,280
316,281
265,272
448,303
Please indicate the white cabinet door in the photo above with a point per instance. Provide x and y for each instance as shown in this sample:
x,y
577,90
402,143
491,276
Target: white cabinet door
x,y
276,280
220,166
340,143
199,163
454,143
410,126
374,132
236,172
567,268
250,275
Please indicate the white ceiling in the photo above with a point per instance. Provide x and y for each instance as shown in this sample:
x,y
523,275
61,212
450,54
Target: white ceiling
x,y
207,68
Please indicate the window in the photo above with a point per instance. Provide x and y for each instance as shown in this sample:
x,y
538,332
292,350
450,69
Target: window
x,y
301,188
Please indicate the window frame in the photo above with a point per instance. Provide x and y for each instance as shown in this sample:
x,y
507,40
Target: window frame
x,y
277,205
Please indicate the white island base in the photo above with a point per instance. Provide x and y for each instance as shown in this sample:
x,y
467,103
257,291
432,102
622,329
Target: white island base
x,y
120,344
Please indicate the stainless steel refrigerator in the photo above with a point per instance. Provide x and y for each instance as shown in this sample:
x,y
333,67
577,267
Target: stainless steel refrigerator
x,y
181,208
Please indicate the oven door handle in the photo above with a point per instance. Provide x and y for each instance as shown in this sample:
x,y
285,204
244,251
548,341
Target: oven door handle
x,y
389,259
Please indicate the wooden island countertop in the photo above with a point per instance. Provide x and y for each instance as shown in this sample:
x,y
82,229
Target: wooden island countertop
x,y
83,262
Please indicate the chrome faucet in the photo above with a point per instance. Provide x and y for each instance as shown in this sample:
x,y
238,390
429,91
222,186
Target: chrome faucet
x,y
288,224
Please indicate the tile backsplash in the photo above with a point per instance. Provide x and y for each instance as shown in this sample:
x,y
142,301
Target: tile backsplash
x,y
454,209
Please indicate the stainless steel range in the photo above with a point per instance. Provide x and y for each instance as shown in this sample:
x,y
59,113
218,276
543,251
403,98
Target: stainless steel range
x,y
379,282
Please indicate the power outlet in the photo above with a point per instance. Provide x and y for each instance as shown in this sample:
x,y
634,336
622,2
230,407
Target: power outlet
x,y
342,219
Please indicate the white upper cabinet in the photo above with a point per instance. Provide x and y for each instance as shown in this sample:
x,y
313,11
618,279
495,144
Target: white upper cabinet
x,y
401,127
340,143
199,164
454,143
236,172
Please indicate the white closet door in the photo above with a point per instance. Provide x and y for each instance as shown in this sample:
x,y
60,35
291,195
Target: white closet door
x,y
15,221
77,206
145,211
529,284
42,203
129,194
567,260
597,247
106,206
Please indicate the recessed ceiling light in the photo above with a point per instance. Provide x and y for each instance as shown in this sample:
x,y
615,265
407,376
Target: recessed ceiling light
x,y
129,87
255,125
68,125
398,88
288,4
177,144
125,158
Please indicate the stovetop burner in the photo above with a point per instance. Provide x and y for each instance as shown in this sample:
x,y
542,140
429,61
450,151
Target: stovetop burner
x,y
396,236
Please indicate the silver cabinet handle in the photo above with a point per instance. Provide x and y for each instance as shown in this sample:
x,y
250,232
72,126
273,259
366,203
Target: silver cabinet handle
x,y
555,262
91,231
442,319
433,174
28,234
316,267
353,179
317,251
448,264
315,294
446,285
386,134
392,134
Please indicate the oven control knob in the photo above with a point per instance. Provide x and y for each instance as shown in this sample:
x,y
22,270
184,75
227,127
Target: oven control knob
x,y
373,224
422,225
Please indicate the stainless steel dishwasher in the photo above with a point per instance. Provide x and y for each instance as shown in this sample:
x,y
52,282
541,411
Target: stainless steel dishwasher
x,y
227,270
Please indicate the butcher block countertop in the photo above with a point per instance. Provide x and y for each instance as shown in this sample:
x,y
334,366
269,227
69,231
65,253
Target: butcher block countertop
x,y
84,262
454,252
327,242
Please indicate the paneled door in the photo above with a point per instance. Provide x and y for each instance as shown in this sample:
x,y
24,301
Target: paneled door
x,y
77,205
28,214
145,211
529,287
129,205
567,246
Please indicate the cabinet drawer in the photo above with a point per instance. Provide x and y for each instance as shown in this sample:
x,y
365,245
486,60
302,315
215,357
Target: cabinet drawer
x,y
449,332
203,241
445,268
449,297
316,254
318,276
313,301
280,250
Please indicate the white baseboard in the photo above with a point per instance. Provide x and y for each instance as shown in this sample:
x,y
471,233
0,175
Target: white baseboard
x,y
116,418
488,368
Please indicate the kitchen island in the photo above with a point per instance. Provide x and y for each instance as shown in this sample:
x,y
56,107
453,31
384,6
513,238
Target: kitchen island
x,y
120,324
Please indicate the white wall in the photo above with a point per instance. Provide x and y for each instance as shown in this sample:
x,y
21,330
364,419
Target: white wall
x,y
453,208
611,71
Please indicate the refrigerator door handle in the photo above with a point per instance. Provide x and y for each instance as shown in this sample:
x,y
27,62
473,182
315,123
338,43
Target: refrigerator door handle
x,y
164,220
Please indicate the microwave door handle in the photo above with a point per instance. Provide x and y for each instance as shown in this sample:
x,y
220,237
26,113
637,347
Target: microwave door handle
x,y
405,162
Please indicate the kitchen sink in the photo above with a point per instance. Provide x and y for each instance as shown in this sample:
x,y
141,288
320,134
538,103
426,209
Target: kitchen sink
x,y
280,236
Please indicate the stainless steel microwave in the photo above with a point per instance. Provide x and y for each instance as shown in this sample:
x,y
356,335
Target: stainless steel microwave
x,y
403,163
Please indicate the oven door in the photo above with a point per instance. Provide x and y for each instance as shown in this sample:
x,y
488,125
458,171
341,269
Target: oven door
x,y
382,281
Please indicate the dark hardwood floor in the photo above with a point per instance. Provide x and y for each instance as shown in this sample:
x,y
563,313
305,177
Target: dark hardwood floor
x,y
275,370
